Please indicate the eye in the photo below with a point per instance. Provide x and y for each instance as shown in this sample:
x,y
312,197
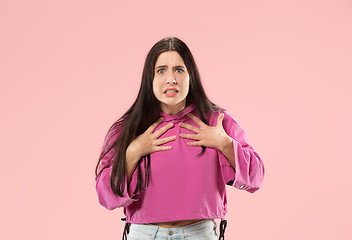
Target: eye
x,y
180,69
159,70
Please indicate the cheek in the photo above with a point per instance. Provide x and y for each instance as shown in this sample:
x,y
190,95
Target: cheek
x,y
186,90
186,86
156,87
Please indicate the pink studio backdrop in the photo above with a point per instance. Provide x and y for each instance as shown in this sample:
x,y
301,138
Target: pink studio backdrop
x,y
69,69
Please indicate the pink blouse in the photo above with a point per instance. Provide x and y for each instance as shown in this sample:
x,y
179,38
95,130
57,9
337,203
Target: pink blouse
x,y
183,186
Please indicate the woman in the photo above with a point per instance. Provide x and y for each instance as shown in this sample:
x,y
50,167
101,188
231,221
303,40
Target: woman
x,y
168,159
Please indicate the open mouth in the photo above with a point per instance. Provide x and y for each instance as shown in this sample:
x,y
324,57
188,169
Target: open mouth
x,y
171,91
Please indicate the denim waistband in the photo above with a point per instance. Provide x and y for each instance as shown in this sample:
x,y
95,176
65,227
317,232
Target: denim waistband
x,y
185,229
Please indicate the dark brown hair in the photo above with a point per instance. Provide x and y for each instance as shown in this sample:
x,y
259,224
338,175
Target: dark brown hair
x,y
145,110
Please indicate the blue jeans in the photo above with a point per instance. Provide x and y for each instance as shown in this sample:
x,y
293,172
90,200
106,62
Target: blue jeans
x,y
202,230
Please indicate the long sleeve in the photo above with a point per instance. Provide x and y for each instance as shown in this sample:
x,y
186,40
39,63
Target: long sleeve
x,y
249,172
103,187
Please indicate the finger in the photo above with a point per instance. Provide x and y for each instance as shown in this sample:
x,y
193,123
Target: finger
x,y
220,118
189,136
162,148
163,129
155,124
164,140
196,143
195,119
189,127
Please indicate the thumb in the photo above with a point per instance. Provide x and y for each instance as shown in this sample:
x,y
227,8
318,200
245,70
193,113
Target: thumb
x,y
220,118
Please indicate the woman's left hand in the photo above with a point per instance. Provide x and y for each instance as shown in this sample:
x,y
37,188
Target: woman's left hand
x,y
213,137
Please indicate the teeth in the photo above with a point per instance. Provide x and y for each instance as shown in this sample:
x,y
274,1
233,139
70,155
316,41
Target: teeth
x,y
170,91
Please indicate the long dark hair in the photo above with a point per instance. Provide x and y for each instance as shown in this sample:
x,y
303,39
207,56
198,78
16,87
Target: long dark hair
x,y
146,109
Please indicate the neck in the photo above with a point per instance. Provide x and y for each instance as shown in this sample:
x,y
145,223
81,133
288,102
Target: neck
x,y
173,109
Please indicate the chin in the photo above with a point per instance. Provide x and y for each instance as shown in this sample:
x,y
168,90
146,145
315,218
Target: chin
x,y
172,103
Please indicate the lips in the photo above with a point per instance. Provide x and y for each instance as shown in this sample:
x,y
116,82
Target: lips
x,y
170,89
170,94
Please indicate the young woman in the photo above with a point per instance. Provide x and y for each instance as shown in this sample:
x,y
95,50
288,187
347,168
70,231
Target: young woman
x,y
168,159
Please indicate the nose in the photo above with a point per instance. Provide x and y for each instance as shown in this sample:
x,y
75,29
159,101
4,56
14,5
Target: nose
x,y
173,82
171,77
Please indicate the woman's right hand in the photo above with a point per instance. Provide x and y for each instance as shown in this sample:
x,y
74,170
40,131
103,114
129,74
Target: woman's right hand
x,y
148,141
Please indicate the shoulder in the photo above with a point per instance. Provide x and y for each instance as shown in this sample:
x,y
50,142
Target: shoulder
x,y
114,132
228,120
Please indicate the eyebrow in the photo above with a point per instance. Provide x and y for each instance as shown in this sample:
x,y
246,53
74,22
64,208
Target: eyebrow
x,y
165,66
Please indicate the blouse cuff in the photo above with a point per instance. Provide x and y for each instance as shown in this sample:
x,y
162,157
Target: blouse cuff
x,y
240,177
107,198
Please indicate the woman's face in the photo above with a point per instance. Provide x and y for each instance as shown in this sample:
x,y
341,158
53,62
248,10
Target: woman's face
x,y
170,73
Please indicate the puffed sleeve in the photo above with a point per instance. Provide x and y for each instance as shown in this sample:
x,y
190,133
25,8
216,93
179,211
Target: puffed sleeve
x,y
249,172
103,187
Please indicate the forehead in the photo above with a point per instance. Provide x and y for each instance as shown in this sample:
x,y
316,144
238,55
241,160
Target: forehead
x,y
169,58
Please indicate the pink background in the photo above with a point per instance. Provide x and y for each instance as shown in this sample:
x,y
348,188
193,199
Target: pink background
x,y
69,69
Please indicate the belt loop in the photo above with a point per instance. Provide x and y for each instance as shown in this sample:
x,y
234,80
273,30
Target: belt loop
x,y
223,225
126,229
